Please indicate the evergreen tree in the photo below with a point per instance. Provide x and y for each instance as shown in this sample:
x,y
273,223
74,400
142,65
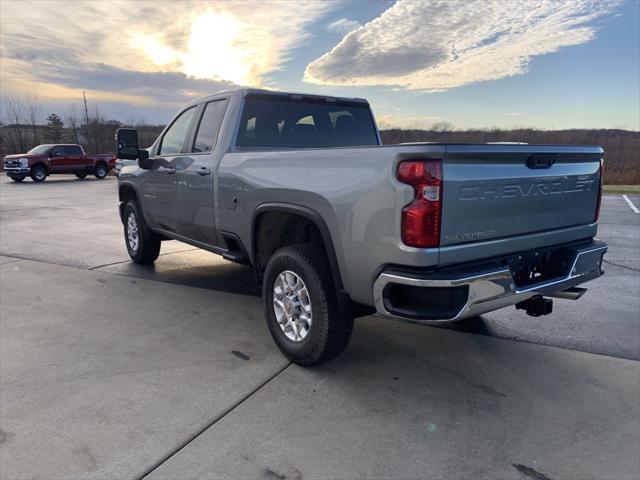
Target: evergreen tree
x,y
55,129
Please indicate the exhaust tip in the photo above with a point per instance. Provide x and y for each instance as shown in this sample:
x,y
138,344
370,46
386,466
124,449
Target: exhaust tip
x,y
573,293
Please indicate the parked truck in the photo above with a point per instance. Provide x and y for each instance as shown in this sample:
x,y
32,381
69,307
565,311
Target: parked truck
x,y
336,225
44,160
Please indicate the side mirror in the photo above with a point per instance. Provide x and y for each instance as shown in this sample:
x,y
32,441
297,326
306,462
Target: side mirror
x,y
127,143
144,161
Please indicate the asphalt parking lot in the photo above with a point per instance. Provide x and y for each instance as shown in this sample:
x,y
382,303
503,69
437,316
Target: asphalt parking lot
x,y
114,370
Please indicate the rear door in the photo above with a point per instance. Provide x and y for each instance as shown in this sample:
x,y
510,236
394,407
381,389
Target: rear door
x,y
159,184
195,175
75,158
504,191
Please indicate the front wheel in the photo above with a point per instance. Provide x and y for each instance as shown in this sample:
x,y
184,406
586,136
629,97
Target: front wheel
x,y
101,171
143,246
301,306
38,173
18,178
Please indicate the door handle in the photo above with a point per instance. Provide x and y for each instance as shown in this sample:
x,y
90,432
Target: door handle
x,y
202,171
169,170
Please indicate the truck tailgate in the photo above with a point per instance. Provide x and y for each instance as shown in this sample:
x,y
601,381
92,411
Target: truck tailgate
x,y
495,192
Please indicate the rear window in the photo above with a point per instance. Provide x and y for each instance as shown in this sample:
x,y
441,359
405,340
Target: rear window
x,y
286,122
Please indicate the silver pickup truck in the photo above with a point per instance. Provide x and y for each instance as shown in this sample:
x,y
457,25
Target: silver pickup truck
x,y
336,225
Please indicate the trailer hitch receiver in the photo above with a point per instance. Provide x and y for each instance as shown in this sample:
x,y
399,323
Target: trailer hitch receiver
x,y
536,306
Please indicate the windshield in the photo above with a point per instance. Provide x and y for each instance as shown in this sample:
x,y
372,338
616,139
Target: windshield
x,y
40,149
286,122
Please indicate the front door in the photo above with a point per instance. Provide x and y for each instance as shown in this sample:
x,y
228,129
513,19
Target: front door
x,y
58,160
158,185
195,176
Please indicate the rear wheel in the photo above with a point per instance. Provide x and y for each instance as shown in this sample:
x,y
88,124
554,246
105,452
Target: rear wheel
x,y
301,306
81,175
18,178
143,245
101,171
38,173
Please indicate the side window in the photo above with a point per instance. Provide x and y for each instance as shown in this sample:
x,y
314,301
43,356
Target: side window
x,y
174,138
74,151
209,126
57,152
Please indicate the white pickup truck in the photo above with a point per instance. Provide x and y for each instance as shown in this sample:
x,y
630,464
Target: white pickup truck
x,y
337,226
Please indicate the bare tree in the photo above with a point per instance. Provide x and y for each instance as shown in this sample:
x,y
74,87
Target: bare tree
x,y
14,132
34,117
73,123
101,132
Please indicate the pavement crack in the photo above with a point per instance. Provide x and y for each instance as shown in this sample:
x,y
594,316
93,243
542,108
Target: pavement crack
x,y
129,260
620,265
530,472
184,444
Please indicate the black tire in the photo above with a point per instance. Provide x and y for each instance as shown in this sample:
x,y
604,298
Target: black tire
x,y
81,175
147,249
101,171
38,173
18,179
330,332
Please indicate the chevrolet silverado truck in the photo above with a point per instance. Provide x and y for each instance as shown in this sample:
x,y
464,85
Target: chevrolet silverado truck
x,y
336,225
44,160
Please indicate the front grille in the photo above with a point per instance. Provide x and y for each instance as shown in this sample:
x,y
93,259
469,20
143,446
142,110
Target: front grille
x,y
12,163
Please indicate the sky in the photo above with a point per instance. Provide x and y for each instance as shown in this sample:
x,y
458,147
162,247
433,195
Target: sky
x,y
472,63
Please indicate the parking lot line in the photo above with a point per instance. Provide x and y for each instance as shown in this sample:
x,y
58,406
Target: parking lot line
x,y
631,205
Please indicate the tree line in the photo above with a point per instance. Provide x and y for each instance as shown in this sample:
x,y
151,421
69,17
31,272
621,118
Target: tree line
x,y
24,124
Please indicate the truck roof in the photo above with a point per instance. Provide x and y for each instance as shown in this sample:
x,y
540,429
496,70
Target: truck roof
x,y
260,91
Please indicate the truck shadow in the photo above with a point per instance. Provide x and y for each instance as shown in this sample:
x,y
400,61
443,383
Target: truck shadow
x,y
194,268
54,179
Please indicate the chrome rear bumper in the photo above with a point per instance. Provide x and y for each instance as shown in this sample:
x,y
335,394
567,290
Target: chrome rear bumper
x,y
488,287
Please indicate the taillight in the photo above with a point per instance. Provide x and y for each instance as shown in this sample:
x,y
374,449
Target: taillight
x,y
600,190
421,218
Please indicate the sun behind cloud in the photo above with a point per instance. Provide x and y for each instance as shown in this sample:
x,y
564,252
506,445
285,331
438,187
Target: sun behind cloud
x,y
149,49
225,45
212,50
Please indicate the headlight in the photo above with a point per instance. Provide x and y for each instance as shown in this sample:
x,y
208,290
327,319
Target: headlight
x,y
24,162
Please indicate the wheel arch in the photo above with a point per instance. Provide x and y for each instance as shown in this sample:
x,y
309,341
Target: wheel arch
x,y
346,305
126,192
309,214
40,163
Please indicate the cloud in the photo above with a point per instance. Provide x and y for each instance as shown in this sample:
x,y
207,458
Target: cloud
x,y
161,51
343,26
438,45
513,114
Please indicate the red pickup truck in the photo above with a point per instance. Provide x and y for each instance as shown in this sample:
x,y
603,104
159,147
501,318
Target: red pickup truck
x,y
44,160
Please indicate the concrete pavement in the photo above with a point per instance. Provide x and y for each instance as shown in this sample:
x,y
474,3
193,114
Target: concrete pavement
x,y
113,370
